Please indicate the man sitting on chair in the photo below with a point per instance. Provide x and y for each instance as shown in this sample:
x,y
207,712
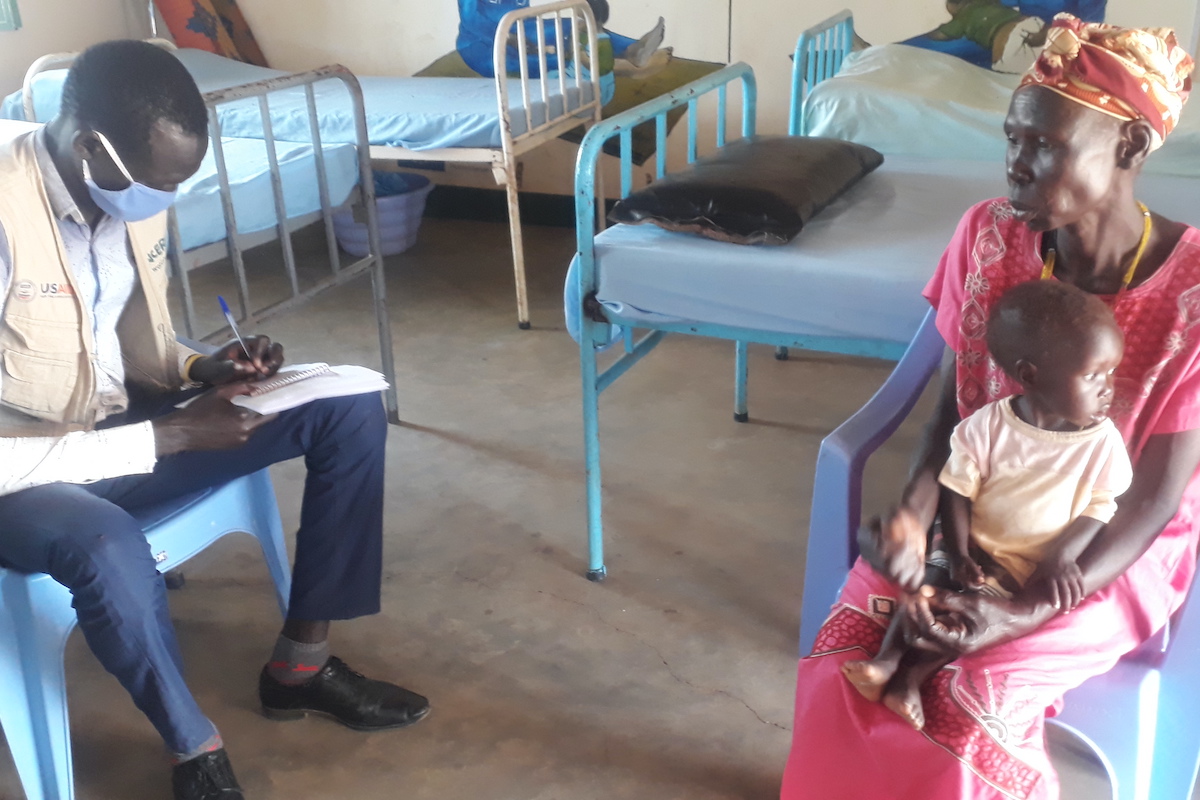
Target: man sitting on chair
x,y
90,374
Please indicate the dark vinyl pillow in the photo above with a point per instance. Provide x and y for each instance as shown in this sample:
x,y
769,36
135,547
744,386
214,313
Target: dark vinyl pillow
x,y
758,190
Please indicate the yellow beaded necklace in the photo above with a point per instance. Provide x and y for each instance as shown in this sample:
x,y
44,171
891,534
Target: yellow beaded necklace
x,y
1147,225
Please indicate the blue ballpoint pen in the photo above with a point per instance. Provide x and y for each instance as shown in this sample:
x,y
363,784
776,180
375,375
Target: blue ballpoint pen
x,y
232,324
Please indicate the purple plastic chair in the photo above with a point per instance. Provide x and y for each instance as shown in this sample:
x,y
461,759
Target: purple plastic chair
x,y
1141,719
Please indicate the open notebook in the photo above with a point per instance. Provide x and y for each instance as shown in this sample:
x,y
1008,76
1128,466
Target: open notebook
x,y
302,383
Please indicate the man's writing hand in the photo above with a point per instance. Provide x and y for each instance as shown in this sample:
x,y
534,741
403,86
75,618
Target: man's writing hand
x,y
230,363
210,422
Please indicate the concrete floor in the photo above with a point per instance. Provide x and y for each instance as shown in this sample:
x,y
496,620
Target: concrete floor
x,y
672,679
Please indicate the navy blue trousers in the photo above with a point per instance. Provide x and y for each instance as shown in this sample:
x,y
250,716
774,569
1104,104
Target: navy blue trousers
x,y
85,537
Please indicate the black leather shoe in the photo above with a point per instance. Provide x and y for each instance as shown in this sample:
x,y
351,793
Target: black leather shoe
x,y
345,696
209,777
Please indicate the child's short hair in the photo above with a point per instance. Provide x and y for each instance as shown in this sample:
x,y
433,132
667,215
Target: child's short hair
x,y
1035,318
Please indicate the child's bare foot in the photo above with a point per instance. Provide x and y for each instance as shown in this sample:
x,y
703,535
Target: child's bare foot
x,y
905,700
867,677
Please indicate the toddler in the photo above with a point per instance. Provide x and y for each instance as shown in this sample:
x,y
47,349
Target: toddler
x,y
1030,480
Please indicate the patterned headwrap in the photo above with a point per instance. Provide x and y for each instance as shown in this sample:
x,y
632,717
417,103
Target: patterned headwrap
x,y
1128,73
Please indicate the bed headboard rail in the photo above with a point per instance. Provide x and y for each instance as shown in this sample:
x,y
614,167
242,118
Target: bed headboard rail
x,y
588,201
820,51
560,90
370,265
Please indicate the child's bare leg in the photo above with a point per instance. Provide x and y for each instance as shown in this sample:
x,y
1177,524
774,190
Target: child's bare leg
x,y
870,676
903,692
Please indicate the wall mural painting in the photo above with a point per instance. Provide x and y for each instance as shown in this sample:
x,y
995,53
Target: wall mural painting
x,y
632,70
1002,35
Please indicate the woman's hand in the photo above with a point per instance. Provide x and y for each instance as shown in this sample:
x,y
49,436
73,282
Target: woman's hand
x,y
979,620
1059,580
261,359
895,547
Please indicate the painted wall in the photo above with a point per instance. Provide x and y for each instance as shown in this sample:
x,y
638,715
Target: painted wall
x,y
51,26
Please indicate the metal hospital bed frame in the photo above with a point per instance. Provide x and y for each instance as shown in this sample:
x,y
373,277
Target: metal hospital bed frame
x,y
819,54
235,243
503,159
571,22
565,18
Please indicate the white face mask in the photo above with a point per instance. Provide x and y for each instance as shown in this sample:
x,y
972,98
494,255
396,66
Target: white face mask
x,y
135,202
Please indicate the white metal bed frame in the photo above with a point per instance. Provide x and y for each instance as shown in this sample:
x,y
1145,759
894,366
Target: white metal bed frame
x,y
570,20
503,159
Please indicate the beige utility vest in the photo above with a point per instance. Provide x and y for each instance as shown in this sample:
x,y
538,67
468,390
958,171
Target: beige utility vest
x,y
49,382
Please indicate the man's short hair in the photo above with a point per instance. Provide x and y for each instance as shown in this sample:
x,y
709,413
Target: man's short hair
x,y
122,88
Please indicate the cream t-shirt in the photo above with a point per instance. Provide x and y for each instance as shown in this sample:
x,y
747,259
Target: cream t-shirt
x,y
1026,484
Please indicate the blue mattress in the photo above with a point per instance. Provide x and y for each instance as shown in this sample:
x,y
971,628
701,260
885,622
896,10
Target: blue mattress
x,y
855,271
415,113
198,207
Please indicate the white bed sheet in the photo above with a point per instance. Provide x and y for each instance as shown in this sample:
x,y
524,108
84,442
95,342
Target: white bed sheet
x,y
856,270
905,100
415,113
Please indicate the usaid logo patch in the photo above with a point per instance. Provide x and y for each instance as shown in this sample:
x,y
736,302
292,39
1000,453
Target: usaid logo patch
x,y
26,291
55,290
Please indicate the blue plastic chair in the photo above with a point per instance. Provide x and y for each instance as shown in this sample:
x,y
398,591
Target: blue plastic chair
x,y
36,618
1142,719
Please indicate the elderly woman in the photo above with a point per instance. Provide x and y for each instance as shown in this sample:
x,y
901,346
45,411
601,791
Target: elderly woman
x,y
1098,101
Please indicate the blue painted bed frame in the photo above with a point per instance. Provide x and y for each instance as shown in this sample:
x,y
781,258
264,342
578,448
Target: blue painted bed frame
x,y
819,54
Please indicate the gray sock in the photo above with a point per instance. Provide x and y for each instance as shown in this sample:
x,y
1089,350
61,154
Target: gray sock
x,y
295,662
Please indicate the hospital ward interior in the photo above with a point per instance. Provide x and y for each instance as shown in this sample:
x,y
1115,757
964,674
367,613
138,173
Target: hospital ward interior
x,y
601,573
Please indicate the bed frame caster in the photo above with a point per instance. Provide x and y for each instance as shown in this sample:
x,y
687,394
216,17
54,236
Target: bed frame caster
x,y
781,354
523,325
743,416
597,575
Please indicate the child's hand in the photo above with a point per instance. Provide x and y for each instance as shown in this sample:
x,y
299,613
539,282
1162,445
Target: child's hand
x,y
1061,580
967,573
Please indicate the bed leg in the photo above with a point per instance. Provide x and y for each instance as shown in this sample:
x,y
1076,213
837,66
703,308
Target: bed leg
x,y
591,445
518,245
741,370
781,354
